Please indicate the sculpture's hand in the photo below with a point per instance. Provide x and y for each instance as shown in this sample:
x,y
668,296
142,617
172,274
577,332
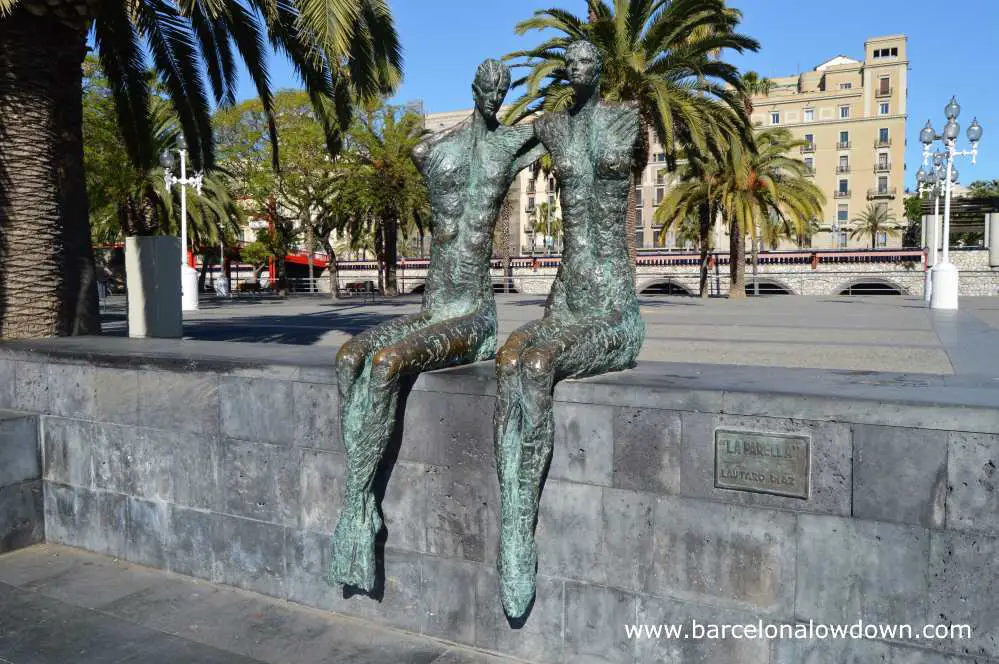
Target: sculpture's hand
x,y
530,149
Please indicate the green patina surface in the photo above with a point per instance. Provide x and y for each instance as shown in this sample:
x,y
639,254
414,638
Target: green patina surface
x,y
592,323
469,169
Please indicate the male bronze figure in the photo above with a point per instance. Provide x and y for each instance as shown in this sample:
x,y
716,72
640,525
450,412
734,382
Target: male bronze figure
x,y
592,322
469,169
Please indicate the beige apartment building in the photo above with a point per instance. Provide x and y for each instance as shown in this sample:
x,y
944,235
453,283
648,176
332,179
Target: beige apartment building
x,y
851,114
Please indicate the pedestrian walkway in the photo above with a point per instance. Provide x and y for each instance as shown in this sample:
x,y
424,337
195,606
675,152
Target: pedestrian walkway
x,y
65,606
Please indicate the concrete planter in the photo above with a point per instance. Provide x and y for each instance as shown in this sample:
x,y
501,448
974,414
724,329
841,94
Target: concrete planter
x,y
152,272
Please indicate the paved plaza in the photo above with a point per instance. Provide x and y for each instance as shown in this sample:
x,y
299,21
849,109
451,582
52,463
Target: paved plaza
x,y
873,333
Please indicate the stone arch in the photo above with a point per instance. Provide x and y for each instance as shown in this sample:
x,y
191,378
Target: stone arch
x,y
664,286
769,286
870,286
417,289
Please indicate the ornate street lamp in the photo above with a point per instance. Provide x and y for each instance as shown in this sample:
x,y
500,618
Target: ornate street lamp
x,y
188,275
942,291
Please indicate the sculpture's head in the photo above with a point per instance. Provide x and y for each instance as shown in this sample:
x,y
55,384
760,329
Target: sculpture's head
x,y
492,81
583,64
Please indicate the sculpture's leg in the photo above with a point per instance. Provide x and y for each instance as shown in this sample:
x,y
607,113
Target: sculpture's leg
x,y
573,350
367,434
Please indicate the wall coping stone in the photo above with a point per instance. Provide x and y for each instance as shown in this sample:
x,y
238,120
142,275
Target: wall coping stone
x,y
965,402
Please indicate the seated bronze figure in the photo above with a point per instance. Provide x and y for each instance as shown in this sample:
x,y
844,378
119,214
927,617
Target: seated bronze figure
x,y
592,322
469,169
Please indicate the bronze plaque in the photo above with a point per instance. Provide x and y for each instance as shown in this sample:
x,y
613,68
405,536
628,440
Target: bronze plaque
x,y
764,462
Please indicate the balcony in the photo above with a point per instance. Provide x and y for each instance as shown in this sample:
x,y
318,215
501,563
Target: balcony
x,y
882,168
841,193
843,169
808,147
841,145
883,92
881,192
882,144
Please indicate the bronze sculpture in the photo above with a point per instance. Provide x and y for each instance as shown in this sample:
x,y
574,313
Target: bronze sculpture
x,y
592,322
468,169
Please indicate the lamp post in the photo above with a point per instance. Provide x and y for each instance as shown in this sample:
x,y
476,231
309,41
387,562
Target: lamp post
x,y
188,275
931,181
944,275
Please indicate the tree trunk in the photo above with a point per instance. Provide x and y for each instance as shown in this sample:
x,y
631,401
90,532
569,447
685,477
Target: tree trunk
x,y
47,277
331,267
203,275
391,256
737,262
380,255
704,212
310,244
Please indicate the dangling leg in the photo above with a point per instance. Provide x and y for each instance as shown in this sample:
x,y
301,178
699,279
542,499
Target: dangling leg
x,y
367,434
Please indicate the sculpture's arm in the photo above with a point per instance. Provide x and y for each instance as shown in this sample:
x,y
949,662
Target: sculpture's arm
x,y
422,149
529,150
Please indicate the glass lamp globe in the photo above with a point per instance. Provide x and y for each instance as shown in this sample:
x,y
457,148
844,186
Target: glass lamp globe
x,y
953,175
181,141
975,131
928,134
952,129
921,175
952,109
166,160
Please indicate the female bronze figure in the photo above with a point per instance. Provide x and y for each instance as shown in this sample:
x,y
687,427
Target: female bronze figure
x,y
592,322
469,169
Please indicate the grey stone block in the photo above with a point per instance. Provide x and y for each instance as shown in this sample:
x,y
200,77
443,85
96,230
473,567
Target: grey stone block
x,y
851,570
404,506
56,389
831,461
458,656
687,649
119,465
462,513
584,443
257,409
725,555
964,589
900,475
7,378
647,450
116,395
68,451
179,401
251,555
448,594
595,534
73,517
192,540
443,429
859,651
323,483
537,639
20,454
110,533
148,531
191,463
262,481
594,624
317,416
973,479
22,518
307,566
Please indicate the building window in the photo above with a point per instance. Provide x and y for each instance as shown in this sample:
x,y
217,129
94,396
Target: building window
x,y
882,239
883,136
886,52
841,239
660,193
661,176
883,160
844,112
551,184
810,164
844,164
530,203
809,115
638,217
844,187
884,85
660,156
551,200
844,140
883,108
639,238
809,140
843,214
883,184
774,117
846,86
638,197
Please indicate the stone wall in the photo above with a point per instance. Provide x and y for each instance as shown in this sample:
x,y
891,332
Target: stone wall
x,y
221,461
21,517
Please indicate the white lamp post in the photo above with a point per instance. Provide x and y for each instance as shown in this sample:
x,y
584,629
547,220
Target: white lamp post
x,y
188,275
931,181
944,275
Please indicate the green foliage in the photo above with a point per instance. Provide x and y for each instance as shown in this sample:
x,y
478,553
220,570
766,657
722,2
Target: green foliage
x,y
914,207
873,220
984,189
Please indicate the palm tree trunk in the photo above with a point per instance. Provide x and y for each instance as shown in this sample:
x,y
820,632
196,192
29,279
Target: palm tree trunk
x,y
737,262
704,231
391,255
380,254
332,268
47,278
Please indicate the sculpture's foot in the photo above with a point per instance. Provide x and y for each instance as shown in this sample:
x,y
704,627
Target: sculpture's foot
x,y
352,562
518,565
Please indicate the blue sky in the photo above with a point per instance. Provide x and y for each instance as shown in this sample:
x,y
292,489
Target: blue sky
x,y
444,40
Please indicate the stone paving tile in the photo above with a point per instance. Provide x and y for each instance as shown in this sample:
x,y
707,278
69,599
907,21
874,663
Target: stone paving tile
x,y
144,616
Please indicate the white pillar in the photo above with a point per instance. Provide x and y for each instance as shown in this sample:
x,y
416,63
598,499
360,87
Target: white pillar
x,y
992,235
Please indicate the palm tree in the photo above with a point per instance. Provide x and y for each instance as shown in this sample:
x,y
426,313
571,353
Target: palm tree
x,y
872,221
659,54
760,183
754,84
386,188
341,49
